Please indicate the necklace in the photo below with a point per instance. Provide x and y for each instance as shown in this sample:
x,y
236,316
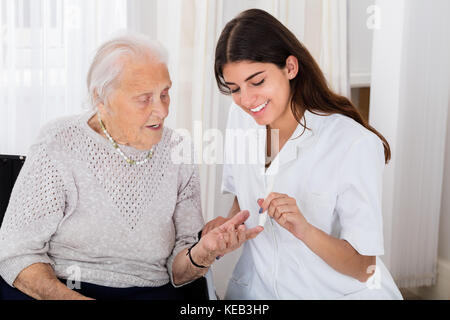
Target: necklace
x,y
116,146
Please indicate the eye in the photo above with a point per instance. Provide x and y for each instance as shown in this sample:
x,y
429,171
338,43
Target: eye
x,y
259,83
165,95
144,99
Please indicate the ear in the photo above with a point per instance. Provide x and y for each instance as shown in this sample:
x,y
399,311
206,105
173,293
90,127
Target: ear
x,y
291,67
100,104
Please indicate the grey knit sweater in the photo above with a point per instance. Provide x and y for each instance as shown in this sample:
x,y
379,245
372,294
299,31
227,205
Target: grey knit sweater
x,y
80,207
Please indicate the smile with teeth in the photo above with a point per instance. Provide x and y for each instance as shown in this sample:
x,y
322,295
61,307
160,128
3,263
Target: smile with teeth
x,y
259,108
154,126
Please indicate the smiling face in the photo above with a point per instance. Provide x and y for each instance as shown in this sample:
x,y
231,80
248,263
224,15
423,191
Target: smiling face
x,y
262,89
138,106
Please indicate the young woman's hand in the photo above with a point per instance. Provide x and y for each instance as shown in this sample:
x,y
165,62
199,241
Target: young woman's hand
x,y
284,210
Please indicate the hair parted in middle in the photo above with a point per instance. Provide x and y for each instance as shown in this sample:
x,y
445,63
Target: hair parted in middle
x,y
256,36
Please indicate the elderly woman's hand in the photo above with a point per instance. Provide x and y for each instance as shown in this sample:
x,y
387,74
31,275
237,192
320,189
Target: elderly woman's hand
x,y
213,224
225,238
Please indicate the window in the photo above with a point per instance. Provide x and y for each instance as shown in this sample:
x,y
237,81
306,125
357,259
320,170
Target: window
x,y
46,48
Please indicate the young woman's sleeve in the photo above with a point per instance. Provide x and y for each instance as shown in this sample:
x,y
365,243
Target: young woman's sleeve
x,y
359,196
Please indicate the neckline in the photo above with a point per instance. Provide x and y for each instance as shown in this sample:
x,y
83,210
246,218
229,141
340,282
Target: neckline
x,y
289,151
128,150
301,133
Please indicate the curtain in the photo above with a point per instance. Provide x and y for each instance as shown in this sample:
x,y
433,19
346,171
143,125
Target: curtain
x,y
409,105
334,54
46,48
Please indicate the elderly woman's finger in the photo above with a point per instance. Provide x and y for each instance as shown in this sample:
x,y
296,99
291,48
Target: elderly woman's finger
x,y
213,224
226,239
238,218
253,232
233,240
241,234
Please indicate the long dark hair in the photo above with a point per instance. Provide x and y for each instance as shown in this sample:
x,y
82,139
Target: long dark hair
x,y
255,35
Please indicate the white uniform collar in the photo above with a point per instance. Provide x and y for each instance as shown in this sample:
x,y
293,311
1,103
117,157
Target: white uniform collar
x,y
301,139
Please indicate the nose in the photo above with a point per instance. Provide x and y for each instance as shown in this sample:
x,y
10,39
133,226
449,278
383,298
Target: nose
x,y
248,99
160,110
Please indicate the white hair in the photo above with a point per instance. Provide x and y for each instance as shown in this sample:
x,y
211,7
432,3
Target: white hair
x,y
108,63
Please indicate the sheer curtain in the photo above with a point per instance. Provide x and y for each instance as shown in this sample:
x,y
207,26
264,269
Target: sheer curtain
x,y
45,51
409,105
323,27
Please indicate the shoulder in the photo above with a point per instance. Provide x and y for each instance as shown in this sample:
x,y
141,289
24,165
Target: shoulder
x,y
345,132
342,140
60,129
61,135
48,151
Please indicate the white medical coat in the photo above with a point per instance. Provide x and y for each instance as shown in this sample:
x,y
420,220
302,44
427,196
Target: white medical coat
x,y
334,171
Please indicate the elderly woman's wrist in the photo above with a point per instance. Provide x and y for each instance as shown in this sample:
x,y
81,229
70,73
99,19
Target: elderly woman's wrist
x,y
201,256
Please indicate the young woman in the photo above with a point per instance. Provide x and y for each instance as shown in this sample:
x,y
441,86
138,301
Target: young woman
x,y
322,191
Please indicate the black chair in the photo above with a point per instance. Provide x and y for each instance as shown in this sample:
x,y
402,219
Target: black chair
x,y
9,170
10,166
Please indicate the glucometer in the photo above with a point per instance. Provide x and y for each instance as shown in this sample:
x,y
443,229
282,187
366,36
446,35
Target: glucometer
x,y
270,180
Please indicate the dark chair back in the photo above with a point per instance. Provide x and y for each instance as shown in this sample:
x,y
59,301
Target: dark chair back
x,y
9,170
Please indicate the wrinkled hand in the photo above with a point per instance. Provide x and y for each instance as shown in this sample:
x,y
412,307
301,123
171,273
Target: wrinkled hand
x,y
284,210
213,224
225,238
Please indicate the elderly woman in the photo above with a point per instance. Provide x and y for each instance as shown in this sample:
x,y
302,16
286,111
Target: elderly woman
x,y
100,201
